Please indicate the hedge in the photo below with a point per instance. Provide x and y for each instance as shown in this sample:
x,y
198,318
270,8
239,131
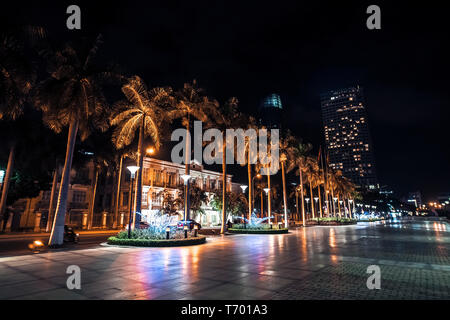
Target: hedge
x,y
258,231
156,243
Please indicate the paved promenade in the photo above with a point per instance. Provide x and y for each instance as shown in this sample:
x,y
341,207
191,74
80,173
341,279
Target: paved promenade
x,y
312,263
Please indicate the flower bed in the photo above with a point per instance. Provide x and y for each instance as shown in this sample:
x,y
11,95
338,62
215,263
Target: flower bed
x,y
331,221
151,238
371,220
258,230
157,242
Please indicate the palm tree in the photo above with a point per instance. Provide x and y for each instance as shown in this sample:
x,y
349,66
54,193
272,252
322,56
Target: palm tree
x,y
226,118
299,153
72,97
17,77
190,103
250,123
142,110
287,144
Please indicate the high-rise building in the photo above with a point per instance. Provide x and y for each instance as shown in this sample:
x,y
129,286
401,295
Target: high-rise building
x,y
347,136
270,111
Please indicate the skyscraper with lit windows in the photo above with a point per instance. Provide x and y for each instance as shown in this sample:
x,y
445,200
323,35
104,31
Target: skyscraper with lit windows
x,y
270,111
347,135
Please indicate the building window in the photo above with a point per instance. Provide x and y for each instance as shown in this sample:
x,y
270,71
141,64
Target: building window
x,y
79,196
125,196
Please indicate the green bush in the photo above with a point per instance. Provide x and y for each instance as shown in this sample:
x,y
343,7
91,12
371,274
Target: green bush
x,y
156,242
147,234
333,219
258,231
261,226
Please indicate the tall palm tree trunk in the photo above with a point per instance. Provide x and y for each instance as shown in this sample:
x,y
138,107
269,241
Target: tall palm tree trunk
x,y
92,204
224,186
301,195
52,199
57,234
140,162
312,199
284,195
269,201
320,200
339,204
187,199
296,205
249,172
7,181
262,206
117,200
332,200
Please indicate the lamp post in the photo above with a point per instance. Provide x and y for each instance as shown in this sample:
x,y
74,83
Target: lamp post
x,y
244,187
266,190
186,178
253,189
132,170
316,199
335,200
350,207
307,204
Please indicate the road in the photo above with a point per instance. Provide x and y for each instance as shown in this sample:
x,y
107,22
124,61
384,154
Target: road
x,y
17,244
320,262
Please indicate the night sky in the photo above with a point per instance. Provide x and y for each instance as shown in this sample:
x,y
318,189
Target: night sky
x,y
297,49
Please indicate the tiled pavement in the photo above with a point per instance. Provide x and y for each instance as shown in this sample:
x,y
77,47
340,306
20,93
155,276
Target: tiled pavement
x,y
312,263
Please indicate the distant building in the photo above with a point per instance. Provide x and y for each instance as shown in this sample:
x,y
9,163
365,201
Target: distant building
x,y
415,198
444,198
347,135
270,111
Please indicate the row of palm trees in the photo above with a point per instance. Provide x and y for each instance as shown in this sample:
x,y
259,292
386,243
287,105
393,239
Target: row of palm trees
x,y
317,180
72,97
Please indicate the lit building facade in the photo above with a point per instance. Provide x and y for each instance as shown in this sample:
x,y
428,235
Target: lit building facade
x,y
158,176
347,135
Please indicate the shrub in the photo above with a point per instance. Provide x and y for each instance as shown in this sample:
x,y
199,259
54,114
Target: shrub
x,y
156,242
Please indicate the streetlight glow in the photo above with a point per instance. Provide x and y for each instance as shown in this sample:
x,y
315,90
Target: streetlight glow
x,y
244,187
133,170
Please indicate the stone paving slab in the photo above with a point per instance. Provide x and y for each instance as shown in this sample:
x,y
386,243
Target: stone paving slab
x,y
312,263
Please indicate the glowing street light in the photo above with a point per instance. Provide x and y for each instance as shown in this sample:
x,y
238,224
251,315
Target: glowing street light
x,y
132,170
244,187
185,178
150,150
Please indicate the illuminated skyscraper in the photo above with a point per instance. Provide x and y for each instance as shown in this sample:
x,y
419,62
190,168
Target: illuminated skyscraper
x,y
347,135
270,111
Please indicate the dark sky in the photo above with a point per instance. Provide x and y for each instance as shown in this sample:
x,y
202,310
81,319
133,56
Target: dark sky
x,y
297,49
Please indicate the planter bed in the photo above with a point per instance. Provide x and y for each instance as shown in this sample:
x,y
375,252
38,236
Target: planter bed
x,y
258,231
330,223
157,243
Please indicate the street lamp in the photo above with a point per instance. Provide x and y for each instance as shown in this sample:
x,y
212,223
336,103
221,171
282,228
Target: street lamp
x,y
132,170
150,150
315,206
266,190
350,201
244,187
253,189
186,178
307,204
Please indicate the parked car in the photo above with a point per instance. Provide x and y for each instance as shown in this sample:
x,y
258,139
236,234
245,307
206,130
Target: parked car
x,y
190,223
70,235
143,225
